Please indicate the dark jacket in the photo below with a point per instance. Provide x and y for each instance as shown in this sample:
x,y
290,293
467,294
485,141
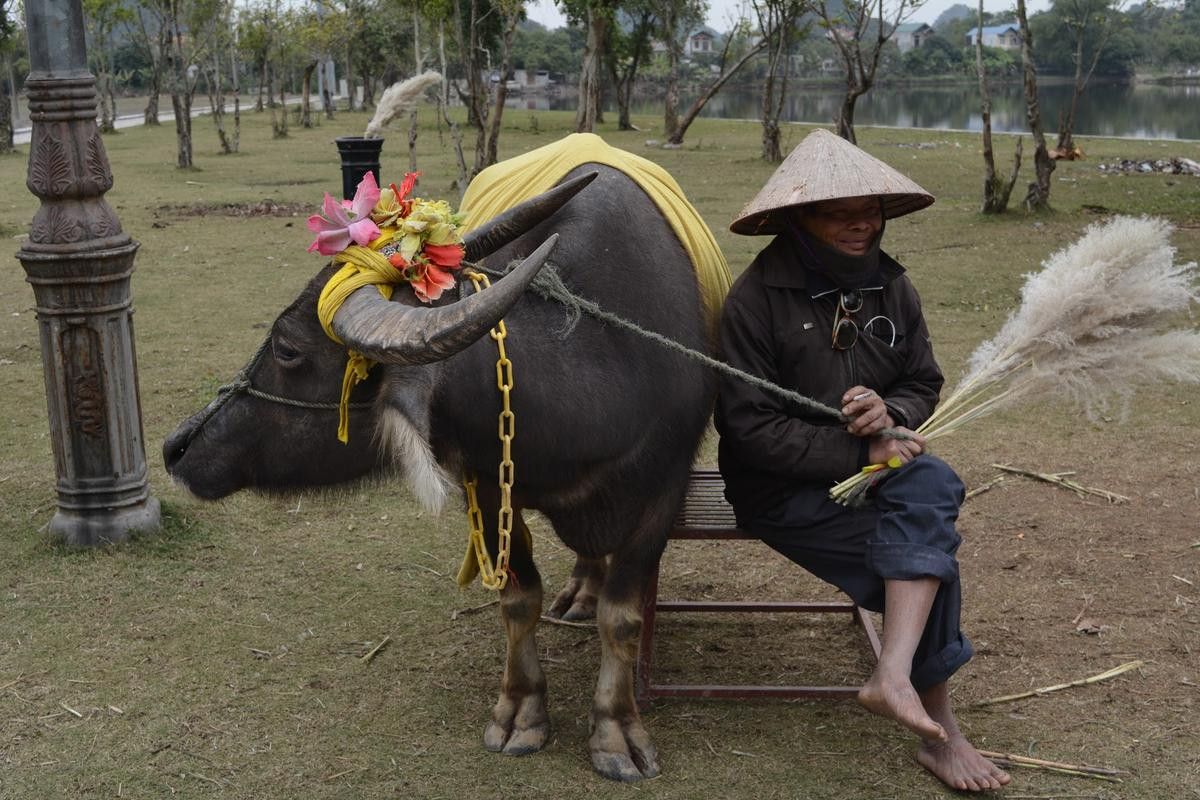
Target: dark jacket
x,y
772,326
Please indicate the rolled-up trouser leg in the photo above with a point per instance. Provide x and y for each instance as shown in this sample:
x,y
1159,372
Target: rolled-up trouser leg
x,y
908,533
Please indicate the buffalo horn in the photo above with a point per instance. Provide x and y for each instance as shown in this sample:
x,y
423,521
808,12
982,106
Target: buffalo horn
x,y
499,231
395,333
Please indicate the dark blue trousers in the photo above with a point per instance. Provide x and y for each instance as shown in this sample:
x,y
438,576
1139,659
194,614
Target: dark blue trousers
x,y
906,531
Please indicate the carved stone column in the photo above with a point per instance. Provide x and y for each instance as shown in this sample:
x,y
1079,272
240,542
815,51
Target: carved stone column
x,y
79,262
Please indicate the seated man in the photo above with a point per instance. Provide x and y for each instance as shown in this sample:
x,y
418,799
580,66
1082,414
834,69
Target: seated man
x,y
822,311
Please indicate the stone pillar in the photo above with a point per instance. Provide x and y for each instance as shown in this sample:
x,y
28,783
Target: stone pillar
x,y
79,261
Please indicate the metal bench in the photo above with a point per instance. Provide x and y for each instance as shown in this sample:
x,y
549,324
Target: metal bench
x,y
705,515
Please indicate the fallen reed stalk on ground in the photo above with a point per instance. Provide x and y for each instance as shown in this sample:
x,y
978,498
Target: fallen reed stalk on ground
x,y
1089,329
1103,676
1060,479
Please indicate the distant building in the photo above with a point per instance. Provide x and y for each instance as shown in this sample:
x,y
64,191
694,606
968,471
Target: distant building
x,y
912,34
1007,37
529,80
700,42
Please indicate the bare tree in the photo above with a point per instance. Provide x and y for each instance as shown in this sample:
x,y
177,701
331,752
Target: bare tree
x,y
510,11
8,30
101,18
214,83
675,136
1087,19
676,19
597,17
777,26
859,31
627,52
995,191
1038,196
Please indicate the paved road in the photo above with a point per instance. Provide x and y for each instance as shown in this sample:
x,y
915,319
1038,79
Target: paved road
x,y
21,135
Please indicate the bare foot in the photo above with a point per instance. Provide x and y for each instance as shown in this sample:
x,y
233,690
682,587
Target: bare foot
x,y
895,698
958,764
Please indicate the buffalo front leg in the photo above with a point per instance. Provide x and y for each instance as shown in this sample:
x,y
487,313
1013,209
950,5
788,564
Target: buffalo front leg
x,y
578,598
620,745
520,724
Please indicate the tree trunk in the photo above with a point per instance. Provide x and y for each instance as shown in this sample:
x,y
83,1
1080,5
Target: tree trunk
x,y
845,116
350,88
989,161
1066,124
589,72
676,135
107,111
306,95
262,81
180,103
1038,196
444,115
776,26
671,101
150,115
6,108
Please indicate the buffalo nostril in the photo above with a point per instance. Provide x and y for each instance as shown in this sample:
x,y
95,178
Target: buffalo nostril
x,y
175,446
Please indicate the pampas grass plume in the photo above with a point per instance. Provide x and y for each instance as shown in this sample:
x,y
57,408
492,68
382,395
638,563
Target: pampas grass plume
x,y
1093,324
397,99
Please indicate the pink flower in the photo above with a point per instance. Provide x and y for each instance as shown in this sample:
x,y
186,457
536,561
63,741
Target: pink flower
x,y
346,222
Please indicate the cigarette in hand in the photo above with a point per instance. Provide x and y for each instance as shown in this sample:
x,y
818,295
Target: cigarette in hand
x,y
862,396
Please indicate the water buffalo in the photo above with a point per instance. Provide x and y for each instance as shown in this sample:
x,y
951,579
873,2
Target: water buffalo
x,y
607,424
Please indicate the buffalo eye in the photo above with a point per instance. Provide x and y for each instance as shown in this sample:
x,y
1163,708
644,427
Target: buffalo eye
x,y
285,354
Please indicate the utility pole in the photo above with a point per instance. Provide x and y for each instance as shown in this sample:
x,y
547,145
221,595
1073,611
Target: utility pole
x,y
79,262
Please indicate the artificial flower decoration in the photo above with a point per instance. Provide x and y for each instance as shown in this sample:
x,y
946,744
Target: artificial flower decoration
x,y
394,203
348,222
422,239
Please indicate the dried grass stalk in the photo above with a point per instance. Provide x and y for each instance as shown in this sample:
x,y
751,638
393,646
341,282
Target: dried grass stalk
x,y
1103,676
1058,480
1027,761
1089,329
375,650
398,99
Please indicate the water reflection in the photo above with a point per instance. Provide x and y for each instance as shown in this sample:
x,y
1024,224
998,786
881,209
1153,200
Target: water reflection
x,y
1148,111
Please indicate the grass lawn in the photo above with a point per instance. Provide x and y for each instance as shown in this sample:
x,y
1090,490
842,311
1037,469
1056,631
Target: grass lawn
x,y
220,658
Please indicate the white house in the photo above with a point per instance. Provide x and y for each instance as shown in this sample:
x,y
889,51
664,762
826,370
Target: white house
x,y
1007,37
911,34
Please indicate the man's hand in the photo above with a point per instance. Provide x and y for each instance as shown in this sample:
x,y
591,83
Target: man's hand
x,y
868,415
883,448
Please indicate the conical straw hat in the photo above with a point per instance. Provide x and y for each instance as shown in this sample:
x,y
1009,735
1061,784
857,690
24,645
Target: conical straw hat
x,y
827,167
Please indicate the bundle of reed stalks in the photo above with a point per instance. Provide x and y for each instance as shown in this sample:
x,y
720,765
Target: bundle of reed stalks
x,y
1094,323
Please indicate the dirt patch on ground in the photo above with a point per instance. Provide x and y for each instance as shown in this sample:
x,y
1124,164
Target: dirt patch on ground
x,y
261,208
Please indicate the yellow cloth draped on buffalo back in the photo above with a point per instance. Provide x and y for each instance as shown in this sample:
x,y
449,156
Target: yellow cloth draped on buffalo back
x,y
504,185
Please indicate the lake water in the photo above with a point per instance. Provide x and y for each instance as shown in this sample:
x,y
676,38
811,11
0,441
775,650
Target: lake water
x,y
1140,110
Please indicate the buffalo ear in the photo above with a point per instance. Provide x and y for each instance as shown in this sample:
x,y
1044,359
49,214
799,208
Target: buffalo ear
x,y
499,231
394,333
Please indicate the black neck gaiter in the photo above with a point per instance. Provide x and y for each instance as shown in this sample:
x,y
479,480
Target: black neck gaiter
x,y
844,270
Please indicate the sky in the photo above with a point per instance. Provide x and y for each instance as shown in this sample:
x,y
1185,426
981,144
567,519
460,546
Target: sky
x,y
545,12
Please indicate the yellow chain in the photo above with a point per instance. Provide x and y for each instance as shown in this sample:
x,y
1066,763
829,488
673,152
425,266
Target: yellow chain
x,y
497,577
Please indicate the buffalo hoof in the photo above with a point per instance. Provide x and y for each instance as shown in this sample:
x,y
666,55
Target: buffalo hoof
x,y
576,601
517,729
623,752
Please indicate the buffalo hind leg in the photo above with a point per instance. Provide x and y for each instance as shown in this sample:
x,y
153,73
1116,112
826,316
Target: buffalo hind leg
x,y
577,600
519,724
620,746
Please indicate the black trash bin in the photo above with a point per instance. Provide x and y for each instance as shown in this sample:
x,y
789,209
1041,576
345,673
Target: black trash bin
x,y
359,156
